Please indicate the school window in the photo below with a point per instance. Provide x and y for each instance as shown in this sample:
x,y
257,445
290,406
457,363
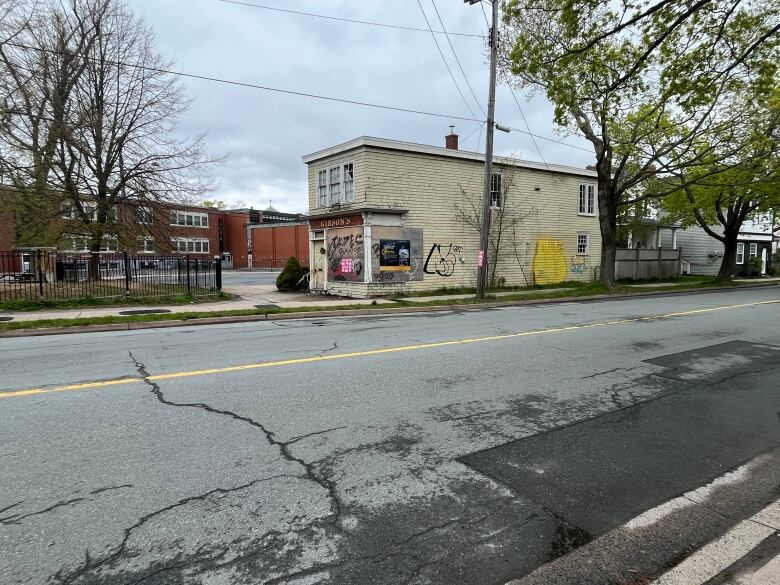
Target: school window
x,y
146,245
189,218
587,200
190,245
144,215
740,253
583,244
753,249
496,193
81,243
336,185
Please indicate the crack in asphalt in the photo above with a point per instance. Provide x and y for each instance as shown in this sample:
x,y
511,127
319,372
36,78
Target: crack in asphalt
x,y
90,565
324,351
110,488
15,518
283,446
315,433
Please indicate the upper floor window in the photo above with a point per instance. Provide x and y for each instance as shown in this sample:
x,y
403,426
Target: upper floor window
x,y
587,200
496,191
190,219
336,185
90,211
144,215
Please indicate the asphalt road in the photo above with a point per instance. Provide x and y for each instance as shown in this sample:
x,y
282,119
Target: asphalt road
x,y
469,447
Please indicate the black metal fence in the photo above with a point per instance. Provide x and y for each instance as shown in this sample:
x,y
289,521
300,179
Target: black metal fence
x,y
54,275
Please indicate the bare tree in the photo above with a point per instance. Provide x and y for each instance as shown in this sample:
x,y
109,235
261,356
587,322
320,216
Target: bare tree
x,y
91,126
40,64
121,152
506,217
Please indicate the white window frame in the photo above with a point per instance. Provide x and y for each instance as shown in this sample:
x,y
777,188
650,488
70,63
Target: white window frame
x,y
336,184
586,252
740,253
496,191
188,219
190,245
146,245
753,249
586,199
322,188
143,215
78,243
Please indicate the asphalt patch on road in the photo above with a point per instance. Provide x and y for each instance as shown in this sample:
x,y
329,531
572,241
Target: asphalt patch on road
x,y
598,474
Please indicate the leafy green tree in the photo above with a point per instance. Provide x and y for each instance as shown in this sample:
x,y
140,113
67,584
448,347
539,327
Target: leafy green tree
x,y
642,82
720,195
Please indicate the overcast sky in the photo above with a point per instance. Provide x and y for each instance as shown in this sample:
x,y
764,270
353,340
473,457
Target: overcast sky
x,y
265,134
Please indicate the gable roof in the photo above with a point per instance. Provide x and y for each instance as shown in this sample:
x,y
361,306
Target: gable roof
x,y
386,144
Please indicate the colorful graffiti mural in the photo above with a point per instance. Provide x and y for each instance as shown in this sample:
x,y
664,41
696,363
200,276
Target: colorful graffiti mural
x,y
549,264
578,265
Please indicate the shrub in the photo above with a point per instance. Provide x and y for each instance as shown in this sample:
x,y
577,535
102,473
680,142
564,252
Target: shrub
x,y
754,266
293,277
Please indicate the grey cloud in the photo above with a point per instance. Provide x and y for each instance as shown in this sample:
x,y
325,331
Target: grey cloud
x,y
264,134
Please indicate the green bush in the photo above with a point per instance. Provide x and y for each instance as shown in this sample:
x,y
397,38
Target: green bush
x,y
754,266
294,277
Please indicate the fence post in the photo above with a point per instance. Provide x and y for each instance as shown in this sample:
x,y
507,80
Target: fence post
x,y
187,260
218,276
660,263
40,272
127,274
636,265
679,261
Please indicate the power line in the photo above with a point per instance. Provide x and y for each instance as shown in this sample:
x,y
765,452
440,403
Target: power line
x,y
354,21
525,121
443,58
255,86
455,54
551,140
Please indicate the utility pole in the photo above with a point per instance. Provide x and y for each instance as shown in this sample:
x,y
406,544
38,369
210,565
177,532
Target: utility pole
x,y
484,234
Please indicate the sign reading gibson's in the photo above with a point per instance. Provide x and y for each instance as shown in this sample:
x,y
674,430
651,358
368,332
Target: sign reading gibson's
x,y
336,222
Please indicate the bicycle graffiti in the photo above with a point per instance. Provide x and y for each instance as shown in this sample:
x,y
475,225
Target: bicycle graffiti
x,y
442,263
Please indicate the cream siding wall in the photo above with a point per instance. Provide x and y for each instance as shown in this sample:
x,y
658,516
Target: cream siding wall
x,y
435,189
357,158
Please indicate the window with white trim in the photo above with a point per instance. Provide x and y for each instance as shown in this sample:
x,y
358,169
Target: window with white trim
x,y
583,244
753,249
587,200
740,253
496,191
146,245
190,245
144,215
80,243
322,188
190,219
71,211
336,185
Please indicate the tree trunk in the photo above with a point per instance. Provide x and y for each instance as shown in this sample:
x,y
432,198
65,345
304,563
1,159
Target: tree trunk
x,y
609,235
729,256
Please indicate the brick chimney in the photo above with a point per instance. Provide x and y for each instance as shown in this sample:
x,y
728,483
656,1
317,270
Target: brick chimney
x,y
451,140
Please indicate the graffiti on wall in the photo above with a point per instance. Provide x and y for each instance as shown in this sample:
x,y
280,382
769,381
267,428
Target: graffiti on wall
x,y
345,254
396,254
441,260
578,265
549,264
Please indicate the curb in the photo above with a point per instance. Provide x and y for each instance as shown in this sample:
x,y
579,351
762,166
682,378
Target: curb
x,y
392,311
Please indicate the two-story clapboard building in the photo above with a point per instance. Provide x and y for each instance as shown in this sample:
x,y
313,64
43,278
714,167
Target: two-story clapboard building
x,y
388,216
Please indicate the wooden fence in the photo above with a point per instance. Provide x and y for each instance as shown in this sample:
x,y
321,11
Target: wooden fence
x,y
647,264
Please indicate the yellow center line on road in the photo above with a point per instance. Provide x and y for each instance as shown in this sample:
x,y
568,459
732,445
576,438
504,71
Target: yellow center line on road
x,y
366,353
